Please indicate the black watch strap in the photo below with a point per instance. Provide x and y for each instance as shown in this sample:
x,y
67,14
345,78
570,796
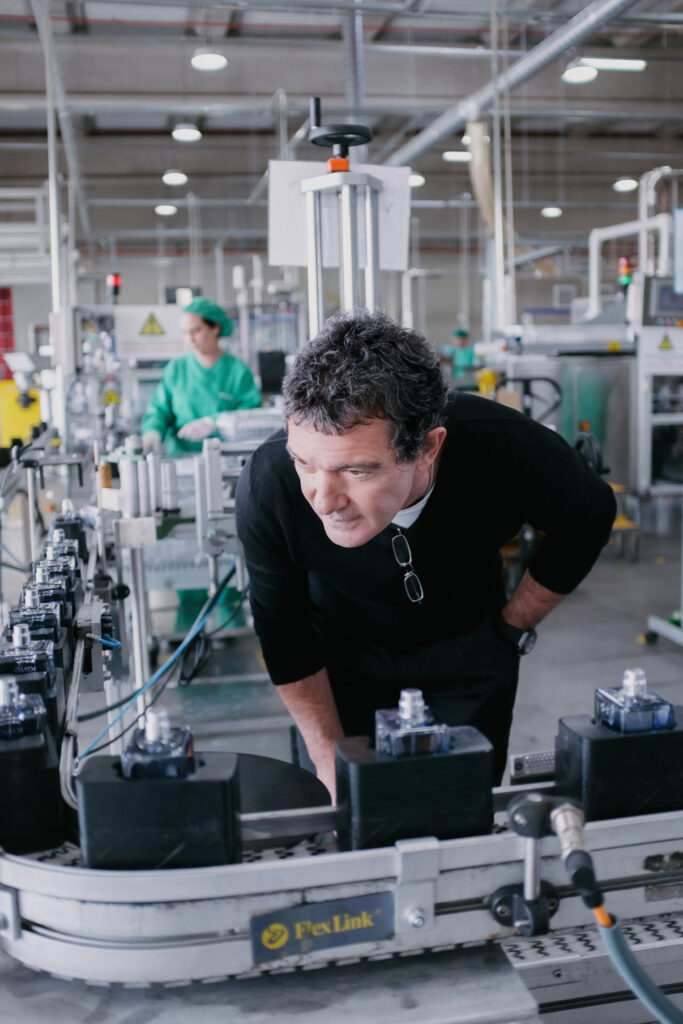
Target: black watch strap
x,y
522,640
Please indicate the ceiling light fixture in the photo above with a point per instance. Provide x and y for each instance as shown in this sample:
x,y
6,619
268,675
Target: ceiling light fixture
x,y
165,209
416,180
186,133
174,177
456,156
206,59
577,73
614,63
551,211
625,185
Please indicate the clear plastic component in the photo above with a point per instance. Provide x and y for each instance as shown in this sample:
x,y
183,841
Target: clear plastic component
x,y
23,654
45,588
20,713
57,563
633,707
46,615
21,635
248,424
410,729
60,546
158,750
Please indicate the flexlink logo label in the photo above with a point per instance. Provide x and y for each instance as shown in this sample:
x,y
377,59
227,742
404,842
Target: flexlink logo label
x,y
300,930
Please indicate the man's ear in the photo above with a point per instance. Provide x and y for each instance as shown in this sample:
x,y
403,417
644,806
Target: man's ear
x,y
434,442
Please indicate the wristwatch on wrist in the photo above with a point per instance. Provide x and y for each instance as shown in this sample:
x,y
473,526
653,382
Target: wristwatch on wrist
x,y
522,640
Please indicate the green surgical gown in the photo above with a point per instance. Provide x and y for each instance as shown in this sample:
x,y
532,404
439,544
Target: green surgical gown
x,y
188,391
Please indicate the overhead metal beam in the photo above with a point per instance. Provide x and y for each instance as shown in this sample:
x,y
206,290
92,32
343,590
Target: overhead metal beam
x,y
406,8
472,107
163,104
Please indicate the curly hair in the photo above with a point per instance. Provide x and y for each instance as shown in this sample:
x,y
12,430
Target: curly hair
x,y
361,366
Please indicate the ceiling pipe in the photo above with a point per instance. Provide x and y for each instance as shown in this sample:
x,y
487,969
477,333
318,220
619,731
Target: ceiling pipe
x,y
354,79
41,13
93,103
521,259
472,107
647,205
396,7
662,223
527,15
185,201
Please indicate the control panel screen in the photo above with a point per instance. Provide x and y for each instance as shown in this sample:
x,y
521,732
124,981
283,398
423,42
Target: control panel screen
x,y
664,305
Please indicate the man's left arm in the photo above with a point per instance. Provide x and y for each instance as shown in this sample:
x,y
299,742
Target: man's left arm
x,y
529,604
573,508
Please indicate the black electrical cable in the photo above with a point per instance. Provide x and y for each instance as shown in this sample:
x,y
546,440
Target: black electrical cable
x,y
117,704
194,659
199,652
232,615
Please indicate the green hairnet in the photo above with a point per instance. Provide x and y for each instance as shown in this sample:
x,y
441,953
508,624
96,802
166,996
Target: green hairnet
x,y
211,311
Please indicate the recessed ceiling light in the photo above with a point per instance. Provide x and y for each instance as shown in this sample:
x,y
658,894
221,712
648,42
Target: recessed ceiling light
x,y
456,156
466,139
165,209
206,59
625,185
416,180
174,177
577,73
614,63
551,211
186,133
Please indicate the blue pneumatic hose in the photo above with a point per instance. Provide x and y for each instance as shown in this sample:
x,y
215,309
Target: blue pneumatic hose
x,y
635,977
195,629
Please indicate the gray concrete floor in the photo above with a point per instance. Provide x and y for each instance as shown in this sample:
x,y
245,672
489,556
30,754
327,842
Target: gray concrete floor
x,y
594,635
587,642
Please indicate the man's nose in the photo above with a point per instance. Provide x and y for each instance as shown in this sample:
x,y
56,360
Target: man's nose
x,y
326,494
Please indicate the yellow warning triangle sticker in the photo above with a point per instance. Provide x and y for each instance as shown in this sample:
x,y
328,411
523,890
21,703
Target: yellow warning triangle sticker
x,y
152,326
666,342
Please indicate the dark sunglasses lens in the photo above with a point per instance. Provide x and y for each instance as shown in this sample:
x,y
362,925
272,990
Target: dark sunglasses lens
x,y
413,587
401,549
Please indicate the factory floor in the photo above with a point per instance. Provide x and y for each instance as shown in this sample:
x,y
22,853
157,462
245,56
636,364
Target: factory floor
x,y
587,642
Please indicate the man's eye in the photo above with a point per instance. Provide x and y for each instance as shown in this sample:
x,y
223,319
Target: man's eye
x,y
357,473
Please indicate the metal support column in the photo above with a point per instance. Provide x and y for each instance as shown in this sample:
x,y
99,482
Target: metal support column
x,y
315,262
31,500
349,248
372,279
139,619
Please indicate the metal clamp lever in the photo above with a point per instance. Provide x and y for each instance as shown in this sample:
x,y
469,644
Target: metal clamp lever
x,y
528,907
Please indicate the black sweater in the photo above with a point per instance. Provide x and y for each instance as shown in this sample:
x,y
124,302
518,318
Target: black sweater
x,y
498,470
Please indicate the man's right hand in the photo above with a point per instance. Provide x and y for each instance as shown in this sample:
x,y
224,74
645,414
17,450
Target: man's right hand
x,y
326,771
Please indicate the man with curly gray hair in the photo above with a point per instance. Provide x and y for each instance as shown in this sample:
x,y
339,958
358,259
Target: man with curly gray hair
x,y
372,528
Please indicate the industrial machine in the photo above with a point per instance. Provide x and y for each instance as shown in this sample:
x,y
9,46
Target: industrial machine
x,y
660,388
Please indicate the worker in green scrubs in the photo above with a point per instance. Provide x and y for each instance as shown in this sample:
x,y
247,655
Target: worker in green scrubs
x,y
198,386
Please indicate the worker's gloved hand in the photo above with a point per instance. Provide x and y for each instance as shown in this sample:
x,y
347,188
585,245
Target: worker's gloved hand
x,y
151,442
197,430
